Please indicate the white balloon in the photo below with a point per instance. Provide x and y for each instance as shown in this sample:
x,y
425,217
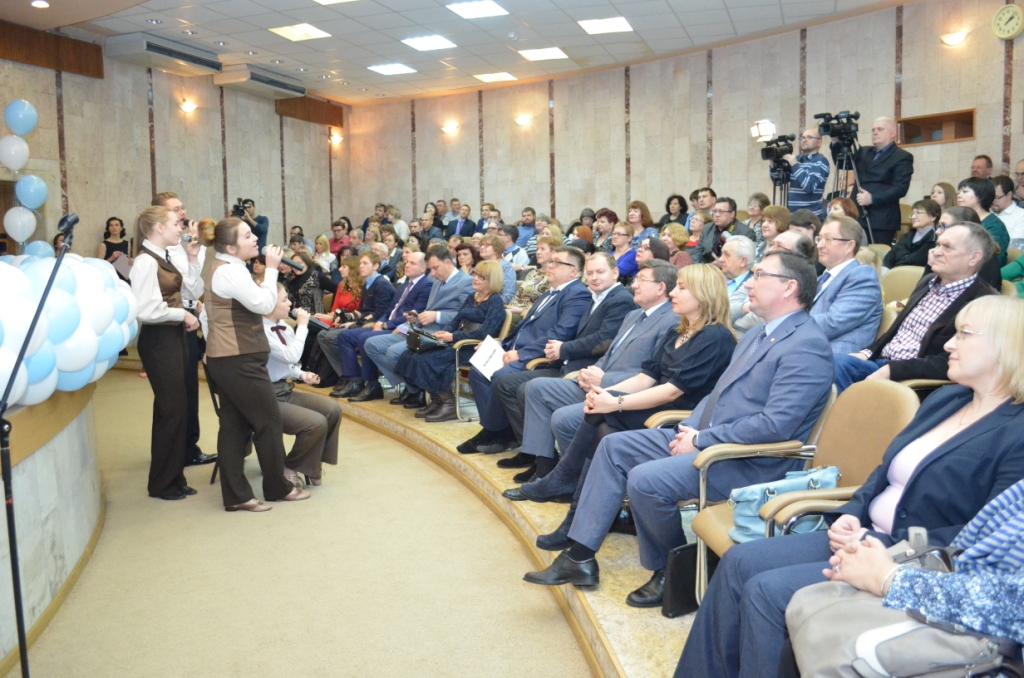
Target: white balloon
x,y
39,336
92,279
13,152
15,316
101,368
133,304
20,223
13,282
78,350
40,391
97,309
7,358
72,258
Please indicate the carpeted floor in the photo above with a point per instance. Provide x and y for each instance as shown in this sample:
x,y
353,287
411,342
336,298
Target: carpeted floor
x,y
393,568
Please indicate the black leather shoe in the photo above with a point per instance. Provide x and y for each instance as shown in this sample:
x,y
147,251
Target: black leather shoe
x,y
566,571
197,458
169,495
373,391
497,446
415,401
350,389
650,594
526,476
400,399
187,491
547,489
469,446
521,460
559,539
427,410
515,494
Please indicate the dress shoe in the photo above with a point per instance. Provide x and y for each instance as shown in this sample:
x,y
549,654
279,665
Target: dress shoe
x,y
526,476
445,412
169,495
292,477
187,491
297,494
559,539
521,460
565,570
253,506
350,389
197,458
426,410
373,391
416,401
650,594
469,446
400,399
547,489
501,441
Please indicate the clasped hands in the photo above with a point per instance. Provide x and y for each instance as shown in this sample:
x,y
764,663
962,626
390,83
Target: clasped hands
x,y
589,378
864,564
600,401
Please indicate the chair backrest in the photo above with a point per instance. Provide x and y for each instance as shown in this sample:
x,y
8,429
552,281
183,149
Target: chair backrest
x,y
1012,254
1009,289
879,249
888,318
822,416
899,282
905,211
328,302
505,326
860,426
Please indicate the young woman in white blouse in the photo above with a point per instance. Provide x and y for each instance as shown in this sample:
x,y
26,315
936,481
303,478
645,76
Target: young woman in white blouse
x,y
236,357
163,348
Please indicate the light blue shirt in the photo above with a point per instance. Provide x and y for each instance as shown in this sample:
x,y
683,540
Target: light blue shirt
x,y
773,325
369,281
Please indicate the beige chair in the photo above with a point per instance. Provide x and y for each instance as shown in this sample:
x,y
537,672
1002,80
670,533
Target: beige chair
x,y
1012,254
1009,289
462,371
328,302
880,250
888,318
899,282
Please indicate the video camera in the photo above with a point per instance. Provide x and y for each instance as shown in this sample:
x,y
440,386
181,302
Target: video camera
x,y
238,209
778,147
842,125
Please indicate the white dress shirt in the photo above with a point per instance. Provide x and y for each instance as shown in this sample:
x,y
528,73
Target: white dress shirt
x,y
1013,218
192,287
284,358
832,273
235,282
153,309
598,298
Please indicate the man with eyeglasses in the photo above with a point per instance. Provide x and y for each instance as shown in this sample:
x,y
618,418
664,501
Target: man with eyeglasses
x,y
848,302
913,348
981,167
1007,210
714,235
809,176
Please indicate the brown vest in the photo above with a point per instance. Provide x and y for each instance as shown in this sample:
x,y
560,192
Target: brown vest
x,y
169,279
233,329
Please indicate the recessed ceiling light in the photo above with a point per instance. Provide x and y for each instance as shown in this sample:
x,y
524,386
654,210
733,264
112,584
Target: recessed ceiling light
x,y
154,21
301,70
332,2
382,95
429,42
221,43
543,54
392,69
189,32
362,89
277,61
495,77
343,82
251,53
325,77
40,4
300,32
614,25
477,9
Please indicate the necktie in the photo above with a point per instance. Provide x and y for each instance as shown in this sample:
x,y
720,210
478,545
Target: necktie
x,y
279,331
709,410
825,277
167,256
401,299
534,312
643,317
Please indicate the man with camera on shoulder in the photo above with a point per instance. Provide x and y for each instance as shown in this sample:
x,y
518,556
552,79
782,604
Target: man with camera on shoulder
x,y
808,176
259,224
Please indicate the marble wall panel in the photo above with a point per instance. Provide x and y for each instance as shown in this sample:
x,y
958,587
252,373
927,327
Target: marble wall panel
x,y
517,170
448,165
379,150
307,184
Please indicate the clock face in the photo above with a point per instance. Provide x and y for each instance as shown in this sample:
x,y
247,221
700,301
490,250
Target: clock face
x,y
1008,22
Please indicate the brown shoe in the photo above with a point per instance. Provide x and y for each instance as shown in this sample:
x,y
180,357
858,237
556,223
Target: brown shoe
x,y
297,494
446,412
253,506
434,406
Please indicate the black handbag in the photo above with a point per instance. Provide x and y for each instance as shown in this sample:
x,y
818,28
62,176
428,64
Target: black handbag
x,y
680,595
418,341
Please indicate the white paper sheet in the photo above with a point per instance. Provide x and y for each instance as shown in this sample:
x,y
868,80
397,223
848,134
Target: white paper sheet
x,y
488,357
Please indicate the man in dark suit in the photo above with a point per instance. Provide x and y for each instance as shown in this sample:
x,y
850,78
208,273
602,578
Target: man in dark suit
x,y
410,297
724,221
556,315
913,346
884,171
601,322
775,387
462,225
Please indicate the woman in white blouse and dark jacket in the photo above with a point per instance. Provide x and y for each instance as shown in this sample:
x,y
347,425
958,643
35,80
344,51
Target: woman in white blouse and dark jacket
x,y
236,358
312,419
156,283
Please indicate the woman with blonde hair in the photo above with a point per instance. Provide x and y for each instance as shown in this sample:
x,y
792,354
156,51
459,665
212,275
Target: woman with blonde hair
x,y
675,237
535,283
551,230
322,253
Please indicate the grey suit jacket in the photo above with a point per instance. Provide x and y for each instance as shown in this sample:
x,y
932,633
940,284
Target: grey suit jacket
x,y
448,296
738,297
624,362
778,392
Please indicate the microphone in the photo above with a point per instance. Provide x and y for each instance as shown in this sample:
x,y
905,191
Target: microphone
x,y
66,226
312,321
284,260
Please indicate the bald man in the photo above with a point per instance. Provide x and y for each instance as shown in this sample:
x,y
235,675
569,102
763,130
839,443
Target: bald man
x,y
884,171
809,176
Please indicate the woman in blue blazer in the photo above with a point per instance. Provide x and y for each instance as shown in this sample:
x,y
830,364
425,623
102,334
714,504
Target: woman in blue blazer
x,y
962,449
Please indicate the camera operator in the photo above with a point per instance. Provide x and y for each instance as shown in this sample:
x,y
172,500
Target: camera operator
x,y
884,171
809,175
259,225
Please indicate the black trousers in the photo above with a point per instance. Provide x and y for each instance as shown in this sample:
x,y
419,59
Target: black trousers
x,y
248,407
196,346
164,352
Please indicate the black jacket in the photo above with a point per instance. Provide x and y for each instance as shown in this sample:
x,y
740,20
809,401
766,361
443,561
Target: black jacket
x,y
376,301
887,181
595,332
906,252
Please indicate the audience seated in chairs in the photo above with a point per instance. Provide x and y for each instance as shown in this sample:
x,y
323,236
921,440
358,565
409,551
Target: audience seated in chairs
x,y
912,249
554,406
482,314
913,346
466,258
736,261
848,303
790,241
535,283
779,380
513,254
491,249
971,430
610,304
674,236
555,316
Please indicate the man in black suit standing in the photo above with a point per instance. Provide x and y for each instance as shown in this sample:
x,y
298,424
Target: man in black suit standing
x,y
884,172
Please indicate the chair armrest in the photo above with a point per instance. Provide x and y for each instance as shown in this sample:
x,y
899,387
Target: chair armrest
x,y
809,507
465,342
538,362
917,384
716,453
773,506
572,375
665,417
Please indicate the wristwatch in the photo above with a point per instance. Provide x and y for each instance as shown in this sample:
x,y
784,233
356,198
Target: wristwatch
x,y
621,398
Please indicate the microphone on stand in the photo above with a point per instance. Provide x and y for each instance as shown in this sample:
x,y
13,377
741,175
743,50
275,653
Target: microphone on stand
x,y
312,321
284,260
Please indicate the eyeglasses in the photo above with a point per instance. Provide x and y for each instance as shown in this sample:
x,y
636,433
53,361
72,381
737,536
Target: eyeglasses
x,y
963,333
645,248
828,240
563,263
615,233
1018,175
722,211
638,279
479,276
808,136
762,274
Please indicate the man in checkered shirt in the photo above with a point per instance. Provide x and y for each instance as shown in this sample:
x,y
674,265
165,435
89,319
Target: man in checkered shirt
x,y
913,347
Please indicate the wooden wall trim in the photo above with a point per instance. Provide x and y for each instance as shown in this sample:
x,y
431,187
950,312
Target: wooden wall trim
x,y
49,50
312,110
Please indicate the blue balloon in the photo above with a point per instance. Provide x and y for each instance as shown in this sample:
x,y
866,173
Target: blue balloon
x,y
38,272
110,343
72,381
41,249
109,272
133,330
7,258
21,117
63,314
41,363
120,305
31,191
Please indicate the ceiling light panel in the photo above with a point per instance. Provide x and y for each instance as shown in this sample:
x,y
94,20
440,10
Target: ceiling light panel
x,y
599,26
429,42
300,32
392,69
495,77
478,9
332,2
543,54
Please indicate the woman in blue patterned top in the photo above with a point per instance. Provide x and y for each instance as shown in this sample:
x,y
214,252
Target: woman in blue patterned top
x,y
640,220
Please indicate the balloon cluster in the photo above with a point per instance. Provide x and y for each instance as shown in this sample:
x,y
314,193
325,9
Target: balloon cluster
x,y
88,318
20,222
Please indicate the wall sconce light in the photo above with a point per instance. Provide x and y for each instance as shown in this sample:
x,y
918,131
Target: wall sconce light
x,y
762,130
450,127
187,106
336,138
953,39
524,120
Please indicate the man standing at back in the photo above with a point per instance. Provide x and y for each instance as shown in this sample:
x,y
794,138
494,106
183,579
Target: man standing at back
x,y
809,175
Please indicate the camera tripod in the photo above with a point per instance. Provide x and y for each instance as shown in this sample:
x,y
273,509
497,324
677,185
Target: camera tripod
x,y
779,171
846,164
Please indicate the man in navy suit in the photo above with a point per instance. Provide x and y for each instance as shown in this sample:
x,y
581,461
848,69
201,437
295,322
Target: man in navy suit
x,y
462,225
848,303
601,322
556,315
774,389
411,297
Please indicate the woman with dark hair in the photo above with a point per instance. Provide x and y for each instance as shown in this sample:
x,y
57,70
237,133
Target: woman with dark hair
x,y
912,249
639,219
625,256
604,222
114,246
431,208
466,258
675,211
756,204
304,285
978,194
58,240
